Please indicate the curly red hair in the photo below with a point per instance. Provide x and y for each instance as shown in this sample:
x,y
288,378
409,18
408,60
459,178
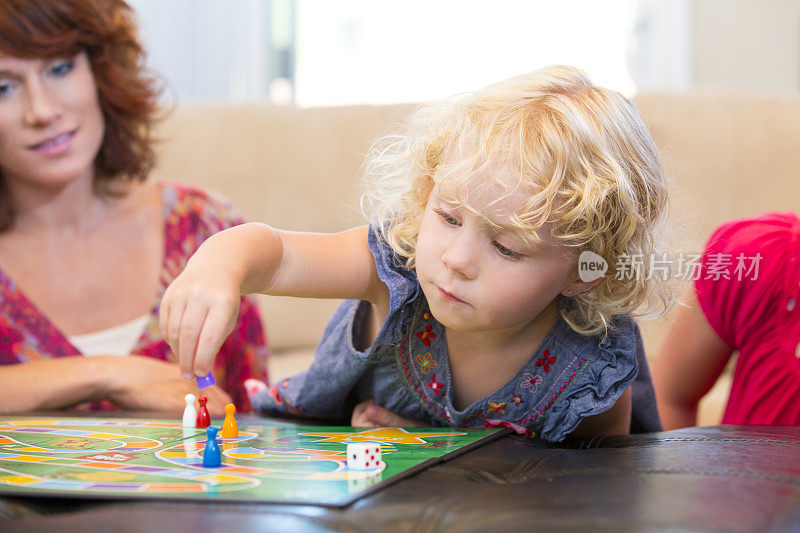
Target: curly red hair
x,y
127,92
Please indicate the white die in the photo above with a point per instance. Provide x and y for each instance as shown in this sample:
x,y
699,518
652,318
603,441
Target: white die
x,y
363,455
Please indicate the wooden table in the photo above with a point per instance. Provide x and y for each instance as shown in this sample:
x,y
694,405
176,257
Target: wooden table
x,y
722,478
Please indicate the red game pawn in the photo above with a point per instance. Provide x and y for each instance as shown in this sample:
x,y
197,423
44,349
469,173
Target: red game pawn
x,y
203,419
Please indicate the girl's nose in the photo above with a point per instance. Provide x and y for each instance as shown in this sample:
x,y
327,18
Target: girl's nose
x,y
460,256
41,108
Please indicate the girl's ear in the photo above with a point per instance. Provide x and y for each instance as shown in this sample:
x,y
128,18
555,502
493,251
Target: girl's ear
x,y
578,286
588,271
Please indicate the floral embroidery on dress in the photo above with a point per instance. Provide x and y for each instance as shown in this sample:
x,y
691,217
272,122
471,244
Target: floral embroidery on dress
x,y
546,361
275,395
473,416
518,405
521,430
426,362
529,381
426,335
497,408
435,385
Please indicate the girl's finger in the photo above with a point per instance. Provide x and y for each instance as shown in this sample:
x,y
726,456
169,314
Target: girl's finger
x,y
174,329
190,326
211,337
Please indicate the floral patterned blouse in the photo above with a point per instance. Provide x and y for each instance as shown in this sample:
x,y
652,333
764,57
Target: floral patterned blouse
x,y
406,370
191,215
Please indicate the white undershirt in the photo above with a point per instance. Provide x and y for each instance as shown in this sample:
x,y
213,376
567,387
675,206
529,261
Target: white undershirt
x,y
118,340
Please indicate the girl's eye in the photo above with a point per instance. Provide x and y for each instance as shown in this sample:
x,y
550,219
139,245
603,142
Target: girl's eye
x,y
62,67
450,219
5,88
507,252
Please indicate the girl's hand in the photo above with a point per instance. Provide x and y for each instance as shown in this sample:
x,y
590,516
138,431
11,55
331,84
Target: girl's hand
x,y
367,414
146,384
198,312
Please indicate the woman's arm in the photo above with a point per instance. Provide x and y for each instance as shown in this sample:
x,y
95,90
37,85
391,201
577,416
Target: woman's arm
x,y
52,383
688,364
199,308
131,382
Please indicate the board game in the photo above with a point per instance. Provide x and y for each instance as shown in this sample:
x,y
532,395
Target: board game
x,y
277,462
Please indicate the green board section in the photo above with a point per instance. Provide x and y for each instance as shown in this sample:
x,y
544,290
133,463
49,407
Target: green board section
x,y
158,459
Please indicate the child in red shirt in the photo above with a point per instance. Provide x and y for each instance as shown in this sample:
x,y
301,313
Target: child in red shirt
x,y
753,307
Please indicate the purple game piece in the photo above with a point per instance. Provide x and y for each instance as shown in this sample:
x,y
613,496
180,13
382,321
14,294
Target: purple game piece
x,y
207,381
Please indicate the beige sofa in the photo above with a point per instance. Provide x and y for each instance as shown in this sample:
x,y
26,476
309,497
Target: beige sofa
x,y
730,156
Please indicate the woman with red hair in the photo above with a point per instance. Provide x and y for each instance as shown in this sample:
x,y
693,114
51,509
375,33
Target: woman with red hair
x,y
87,244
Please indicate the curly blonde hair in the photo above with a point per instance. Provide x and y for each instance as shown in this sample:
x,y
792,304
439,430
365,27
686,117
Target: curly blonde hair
x,y
580,152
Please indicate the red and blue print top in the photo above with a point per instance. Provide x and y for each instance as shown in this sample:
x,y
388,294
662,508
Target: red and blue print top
x,y
191,215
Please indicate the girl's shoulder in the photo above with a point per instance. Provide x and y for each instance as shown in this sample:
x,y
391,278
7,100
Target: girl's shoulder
x,y
398,278
595,371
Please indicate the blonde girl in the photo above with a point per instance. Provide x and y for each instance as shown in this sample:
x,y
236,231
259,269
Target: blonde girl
x,y
465,304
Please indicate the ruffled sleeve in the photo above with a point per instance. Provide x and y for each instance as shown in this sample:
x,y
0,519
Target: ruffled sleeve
x,y
402,285
609,368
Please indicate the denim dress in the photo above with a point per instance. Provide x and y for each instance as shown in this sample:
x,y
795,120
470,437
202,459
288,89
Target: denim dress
x,y
406,370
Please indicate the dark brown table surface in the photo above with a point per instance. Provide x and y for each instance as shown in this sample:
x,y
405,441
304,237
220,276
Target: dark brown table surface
x,y
721,478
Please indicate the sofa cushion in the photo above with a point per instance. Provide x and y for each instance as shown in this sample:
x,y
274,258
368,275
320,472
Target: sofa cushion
x,y
730,156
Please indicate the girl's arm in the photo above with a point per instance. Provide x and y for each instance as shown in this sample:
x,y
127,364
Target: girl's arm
x,y
615,421
199,308
690,360
369,414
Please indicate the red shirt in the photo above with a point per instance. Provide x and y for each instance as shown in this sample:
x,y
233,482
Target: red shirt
x,y
749,290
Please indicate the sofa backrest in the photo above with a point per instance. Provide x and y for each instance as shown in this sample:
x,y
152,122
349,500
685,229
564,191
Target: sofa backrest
x,y
730,156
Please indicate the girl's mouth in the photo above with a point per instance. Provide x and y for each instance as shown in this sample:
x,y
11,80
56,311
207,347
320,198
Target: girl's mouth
x,y
450,296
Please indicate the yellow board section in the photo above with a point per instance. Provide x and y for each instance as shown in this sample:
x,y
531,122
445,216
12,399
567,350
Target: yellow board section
x,y
104,436
172,455
17,479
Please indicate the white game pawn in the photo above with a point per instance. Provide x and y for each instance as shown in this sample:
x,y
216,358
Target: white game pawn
x,y
190,413
363,455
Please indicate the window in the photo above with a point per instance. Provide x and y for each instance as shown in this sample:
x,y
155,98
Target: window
x,y
317,53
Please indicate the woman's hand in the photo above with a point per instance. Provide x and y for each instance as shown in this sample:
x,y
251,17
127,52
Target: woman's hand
x,y
197,313
147,384
367,414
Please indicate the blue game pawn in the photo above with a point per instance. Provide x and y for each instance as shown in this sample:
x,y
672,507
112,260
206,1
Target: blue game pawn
x,y
211,454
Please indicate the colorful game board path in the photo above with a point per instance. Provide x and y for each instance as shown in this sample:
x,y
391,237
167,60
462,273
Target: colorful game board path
x,y
275,462
382,435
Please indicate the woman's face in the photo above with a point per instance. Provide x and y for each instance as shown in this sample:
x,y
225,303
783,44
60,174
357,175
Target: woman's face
x,y
51,125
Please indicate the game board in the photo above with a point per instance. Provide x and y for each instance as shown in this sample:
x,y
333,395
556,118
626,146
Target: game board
x,y
158,459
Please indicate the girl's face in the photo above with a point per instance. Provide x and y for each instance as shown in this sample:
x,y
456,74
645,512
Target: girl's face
x,y
480,278
51,125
